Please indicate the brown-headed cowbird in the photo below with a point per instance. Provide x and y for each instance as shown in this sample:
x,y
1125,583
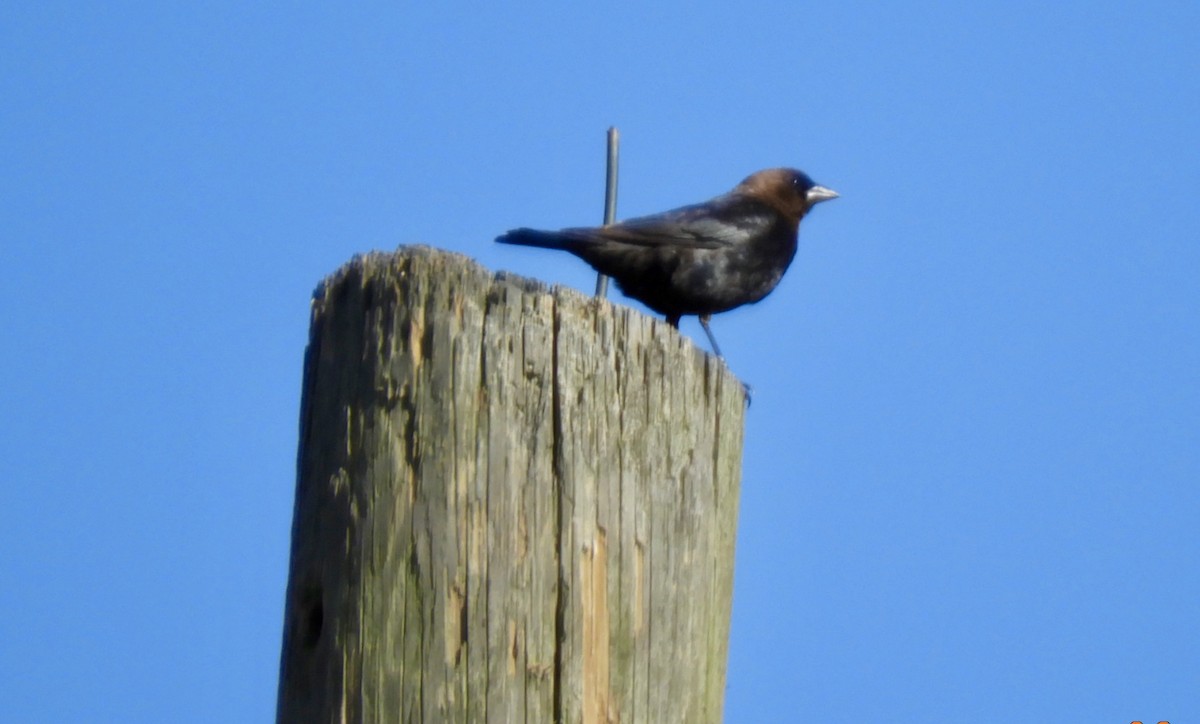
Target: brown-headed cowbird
x,y
700,259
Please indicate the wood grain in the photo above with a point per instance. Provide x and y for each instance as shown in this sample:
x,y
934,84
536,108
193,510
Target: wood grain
x,y
513,504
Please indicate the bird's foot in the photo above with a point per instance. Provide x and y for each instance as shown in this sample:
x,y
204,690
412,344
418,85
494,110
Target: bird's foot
x,y
749,392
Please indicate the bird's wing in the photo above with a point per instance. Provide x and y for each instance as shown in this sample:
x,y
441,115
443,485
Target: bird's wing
x,y
723,221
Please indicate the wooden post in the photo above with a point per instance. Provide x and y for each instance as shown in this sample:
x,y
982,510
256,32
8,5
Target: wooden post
x,y
513,504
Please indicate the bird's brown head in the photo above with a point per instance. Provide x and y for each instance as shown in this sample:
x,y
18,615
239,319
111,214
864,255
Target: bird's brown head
x,y
790,191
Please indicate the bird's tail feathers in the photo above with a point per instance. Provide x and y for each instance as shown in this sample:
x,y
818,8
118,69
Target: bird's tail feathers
x,y
533,237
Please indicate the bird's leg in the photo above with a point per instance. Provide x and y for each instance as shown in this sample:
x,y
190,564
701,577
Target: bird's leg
x,y
711,339
717,350
673,320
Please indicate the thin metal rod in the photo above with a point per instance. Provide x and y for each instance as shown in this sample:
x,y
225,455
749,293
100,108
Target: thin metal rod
x,y
610,196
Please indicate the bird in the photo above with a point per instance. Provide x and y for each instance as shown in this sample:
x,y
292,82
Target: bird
x,y
701,259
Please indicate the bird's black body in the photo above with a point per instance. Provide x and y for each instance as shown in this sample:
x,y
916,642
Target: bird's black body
x,y
701,259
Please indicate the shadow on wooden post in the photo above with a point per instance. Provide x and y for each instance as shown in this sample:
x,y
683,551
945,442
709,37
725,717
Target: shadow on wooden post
x,y
512,505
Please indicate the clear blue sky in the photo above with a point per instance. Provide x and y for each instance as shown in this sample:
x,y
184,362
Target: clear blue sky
x,y
971,470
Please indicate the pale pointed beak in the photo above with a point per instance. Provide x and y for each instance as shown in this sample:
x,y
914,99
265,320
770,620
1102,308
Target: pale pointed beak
x,y
817,194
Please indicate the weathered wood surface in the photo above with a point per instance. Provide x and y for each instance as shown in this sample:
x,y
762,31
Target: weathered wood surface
x,y
512,505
